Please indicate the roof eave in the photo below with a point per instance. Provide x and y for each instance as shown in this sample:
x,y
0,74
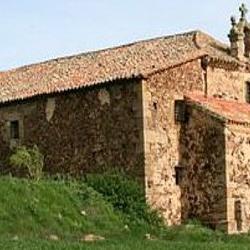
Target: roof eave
x,y
134,76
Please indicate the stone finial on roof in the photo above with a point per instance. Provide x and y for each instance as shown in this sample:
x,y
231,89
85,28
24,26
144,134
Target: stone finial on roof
x,y
233,21
239,35
243,10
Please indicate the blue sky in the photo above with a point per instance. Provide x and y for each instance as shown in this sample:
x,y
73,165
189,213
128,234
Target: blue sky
x,y
37,30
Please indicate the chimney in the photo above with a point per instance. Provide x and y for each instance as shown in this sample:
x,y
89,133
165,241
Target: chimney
x,y
237,35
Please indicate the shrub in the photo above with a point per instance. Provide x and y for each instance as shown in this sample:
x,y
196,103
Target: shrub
x,y
126,196
30,159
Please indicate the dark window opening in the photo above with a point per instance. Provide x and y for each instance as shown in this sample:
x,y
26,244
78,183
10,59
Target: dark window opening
x,y
248,92
14,129
150,183
178,175
238,214
180,111
154,114
155,105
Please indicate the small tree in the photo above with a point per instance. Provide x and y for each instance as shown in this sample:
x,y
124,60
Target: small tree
x,y
30,159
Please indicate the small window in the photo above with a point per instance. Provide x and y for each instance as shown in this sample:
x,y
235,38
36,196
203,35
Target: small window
x,y
247,92
180,111
238,214
178,175
155,105
14,129
154,114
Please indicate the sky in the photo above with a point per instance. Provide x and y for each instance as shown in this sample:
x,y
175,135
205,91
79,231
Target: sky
x,y
38,30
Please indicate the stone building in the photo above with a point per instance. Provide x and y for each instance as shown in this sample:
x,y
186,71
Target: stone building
x,y
173,112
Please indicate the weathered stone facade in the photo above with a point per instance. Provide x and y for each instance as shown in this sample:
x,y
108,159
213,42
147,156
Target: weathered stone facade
x,y
82,131
215,156
202,157
228,84
238,177
161,135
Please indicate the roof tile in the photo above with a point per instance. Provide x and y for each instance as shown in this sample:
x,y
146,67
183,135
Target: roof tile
x,y
231,111
133,60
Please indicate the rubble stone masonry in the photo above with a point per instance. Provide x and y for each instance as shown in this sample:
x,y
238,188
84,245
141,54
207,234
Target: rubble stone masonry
x,y
161,135
81,131
238,178
202,157
227,84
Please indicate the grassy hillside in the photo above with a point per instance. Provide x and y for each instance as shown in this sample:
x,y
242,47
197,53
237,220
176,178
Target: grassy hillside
x,y
41,209
57,215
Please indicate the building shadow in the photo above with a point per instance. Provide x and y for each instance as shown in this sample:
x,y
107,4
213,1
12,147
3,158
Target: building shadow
x,y
202,160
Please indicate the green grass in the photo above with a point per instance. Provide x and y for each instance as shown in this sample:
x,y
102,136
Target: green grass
x,y
128,243
30,212
39,209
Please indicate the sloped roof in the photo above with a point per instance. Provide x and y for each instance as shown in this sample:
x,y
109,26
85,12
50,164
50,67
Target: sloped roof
x,y
128,61
228,111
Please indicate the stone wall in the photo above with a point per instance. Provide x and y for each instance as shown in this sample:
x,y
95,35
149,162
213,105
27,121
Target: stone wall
x,y
238,178
131,125
161,135
202,157
227,84
81,131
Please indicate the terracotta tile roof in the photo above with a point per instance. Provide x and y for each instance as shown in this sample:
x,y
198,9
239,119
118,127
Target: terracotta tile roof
x,y
132,60
228,111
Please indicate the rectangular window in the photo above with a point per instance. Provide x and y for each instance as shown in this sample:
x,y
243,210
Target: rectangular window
x,y
238,214
248,92
154,114
178,175
14,129
180,111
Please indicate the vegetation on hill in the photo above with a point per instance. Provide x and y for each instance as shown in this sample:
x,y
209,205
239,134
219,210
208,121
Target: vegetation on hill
x,y
59,214
67,210
126,196
29,159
